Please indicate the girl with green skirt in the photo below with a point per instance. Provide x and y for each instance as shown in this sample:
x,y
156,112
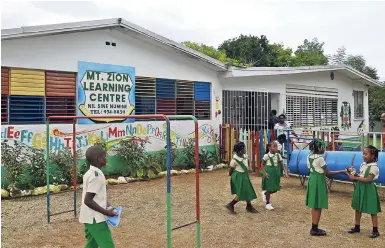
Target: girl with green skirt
x,y
240,181
272,163
365,196
317,191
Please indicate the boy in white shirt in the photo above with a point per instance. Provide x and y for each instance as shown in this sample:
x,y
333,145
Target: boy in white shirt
x,y
93,211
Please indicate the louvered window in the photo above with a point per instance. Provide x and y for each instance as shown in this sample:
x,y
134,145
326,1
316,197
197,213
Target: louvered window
x,y
144,96
4,81
202,97
26,110
4,94
308,106
185,98
170,97
27,82
4,109
60,106
165,96
61,95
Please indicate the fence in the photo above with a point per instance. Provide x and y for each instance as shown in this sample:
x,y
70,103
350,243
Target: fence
x,y
256,141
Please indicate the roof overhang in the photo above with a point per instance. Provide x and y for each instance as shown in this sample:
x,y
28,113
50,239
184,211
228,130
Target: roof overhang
x,y
55,29
347,71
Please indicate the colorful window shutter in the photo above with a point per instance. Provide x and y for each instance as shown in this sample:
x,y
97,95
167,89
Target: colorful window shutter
x,y
26,110
4,94
202,97
60,95
4,81
27,82
185,98
4,109
165,96
144,95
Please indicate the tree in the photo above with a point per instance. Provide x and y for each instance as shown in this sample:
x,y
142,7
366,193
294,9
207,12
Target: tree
x,y
281,56
376,102
212,52
376,94
357,62
251,50
310,53
339,58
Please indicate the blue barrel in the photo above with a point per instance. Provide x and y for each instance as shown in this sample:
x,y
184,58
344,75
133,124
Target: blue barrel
x,y
336,161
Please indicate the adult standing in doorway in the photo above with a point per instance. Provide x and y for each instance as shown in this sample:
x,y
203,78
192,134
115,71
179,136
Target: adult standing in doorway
x,y
273,119
282,126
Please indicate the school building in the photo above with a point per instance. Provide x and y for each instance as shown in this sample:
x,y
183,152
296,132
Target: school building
x,y
40,63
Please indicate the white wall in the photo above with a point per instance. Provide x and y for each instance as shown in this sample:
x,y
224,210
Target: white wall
x,y
277,84
62,53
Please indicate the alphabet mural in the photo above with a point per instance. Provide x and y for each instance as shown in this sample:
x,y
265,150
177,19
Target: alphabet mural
x,y
87,135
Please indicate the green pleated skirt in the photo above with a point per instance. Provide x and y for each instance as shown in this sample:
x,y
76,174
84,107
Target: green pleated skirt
x,y
241,186
366,199
271,184
317,191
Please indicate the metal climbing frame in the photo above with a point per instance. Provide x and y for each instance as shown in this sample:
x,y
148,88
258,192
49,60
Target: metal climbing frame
x,y
168,163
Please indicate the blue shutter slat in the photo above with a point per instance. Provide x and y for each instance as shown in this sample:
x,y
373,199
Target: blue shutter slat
x,y
202,91
26,109
144,105
165,88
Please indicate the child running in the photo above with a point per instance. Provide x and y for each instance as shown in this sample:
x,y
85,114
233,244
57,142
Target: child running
x,y
270,171
365,196
240,181
317,192
93,210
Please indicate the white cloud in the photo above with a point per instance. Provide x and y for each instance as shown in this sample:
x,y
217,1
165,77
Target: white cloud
x,y
356,25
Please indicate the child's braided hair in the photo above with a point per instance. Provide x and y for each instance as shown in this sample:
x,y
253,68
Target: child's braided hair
x,y
238,147
374,151
317,146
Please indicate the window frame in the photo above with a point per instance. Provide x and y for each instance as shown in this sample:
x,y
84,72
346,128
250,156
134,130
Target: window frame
x,y
358,114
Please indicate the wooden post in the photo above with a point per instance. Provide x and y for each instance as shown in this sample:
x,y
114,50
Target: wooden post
x,y
258,151
253,150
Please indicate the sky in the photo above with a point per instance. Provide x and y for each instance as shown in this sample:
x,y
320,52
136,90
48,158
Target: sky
x,y
356,25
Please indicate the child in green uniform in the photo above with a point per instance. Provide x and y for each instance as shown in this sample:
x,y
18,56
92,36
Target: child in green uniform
x,y
365,196
272,162
240,181
317,192
93,210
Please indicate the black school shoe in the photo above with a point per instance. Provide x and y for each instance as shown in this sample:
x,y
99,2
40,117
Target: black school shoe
x,y
354,230
374,235
230,208
318,232
251,209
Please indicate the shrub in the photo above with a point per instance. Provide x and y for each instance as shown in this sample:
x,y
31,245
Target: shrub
x,y
206,158
63,159
161,157
37,169
149,167
13,157
133,154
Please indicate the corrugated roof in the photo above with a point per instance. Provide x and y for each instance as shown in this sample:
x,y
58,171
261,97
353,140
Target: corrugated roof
x,y
270,71
43,30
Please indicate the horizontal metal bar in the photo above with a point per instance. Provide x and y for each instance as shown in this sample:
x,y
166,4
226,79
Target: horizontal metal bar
x,y
189,224
156,116
348,142
338,181
62,212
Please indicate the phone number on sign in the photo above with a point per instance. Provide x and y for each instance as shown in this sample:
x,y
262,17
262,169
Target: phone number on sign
x,y
114,111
